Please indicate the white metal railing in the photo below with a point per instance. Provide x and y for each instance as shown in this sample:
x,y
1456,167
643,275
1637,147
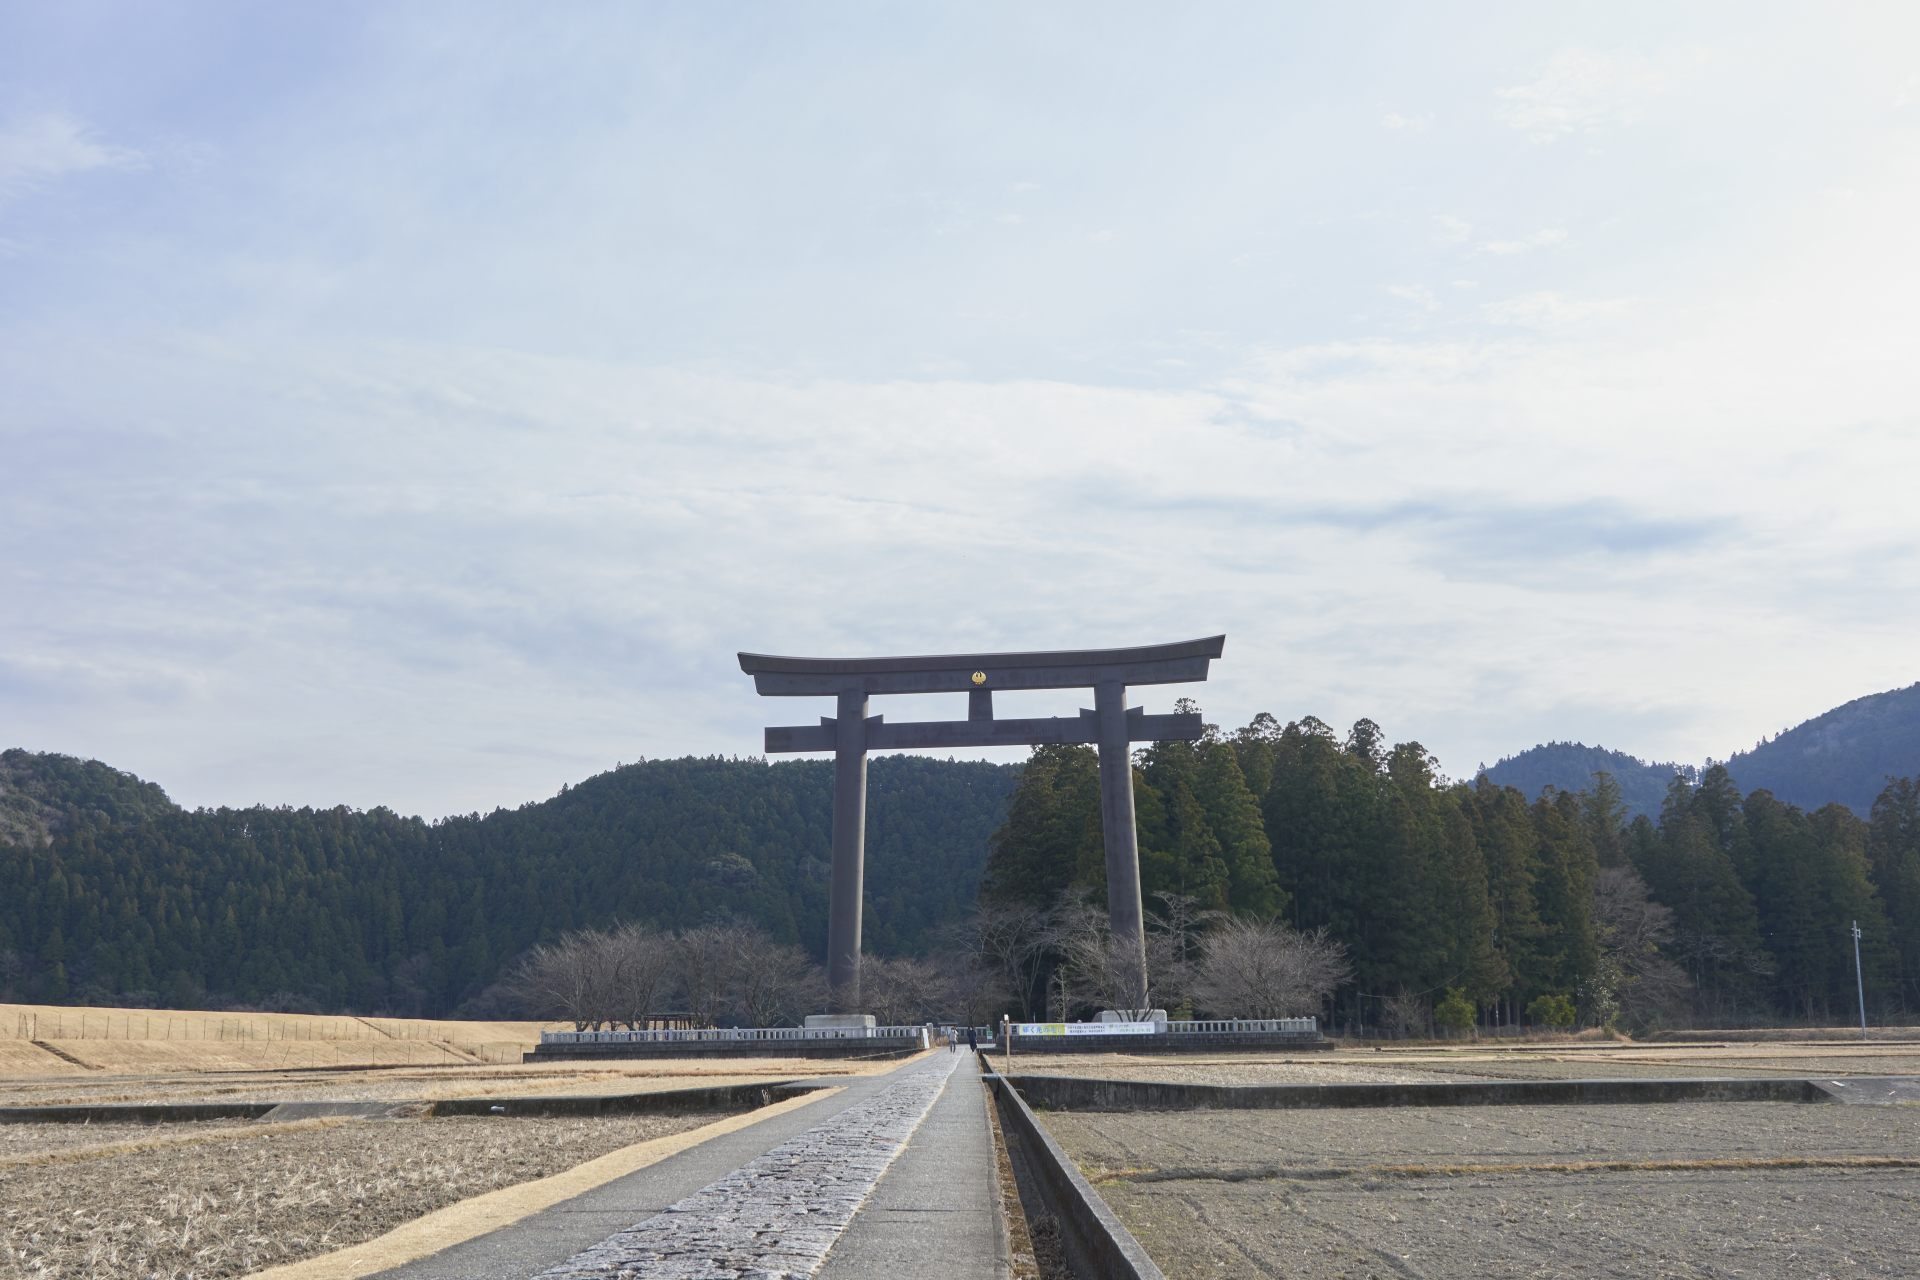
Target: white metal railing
x,y
1298,1026
711,1035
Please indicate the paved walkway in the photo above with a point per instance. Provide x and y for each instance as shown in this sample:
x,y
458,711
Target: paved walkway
x,y
892,1177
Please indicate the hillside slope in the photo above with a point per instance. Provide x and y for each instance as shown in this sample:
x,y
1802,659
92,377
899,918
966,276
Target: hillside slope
x,y
340,909
43,794
1844,755
1571,766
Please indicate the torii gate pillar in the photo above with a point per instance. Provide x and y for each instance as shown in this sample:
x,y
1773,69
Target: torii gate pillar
x,y
851,733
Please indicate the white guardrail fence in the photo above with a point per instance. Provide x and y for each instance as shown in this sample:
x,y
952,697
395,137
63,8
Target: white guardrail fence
x,y
1296,1026
1292,1026
710,1035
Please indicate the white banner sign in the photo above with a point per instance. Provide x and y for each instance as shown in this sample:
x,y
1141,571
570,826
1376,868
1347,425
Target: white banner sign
x,y
1085,1028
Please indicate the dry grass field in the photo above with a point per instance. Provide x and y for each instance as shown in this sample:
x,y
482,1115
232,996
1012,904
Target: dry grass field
x,y
60,1040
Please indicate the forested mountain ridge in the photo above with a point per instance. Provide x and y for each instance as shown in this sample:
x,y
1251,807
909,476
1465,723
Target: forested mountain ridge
x,y
1843,756
1573,766
341,909
43,794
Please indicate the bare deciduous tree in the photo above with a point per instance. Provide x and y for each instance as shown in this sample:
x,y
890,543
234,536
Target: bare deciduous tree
x,y
1011,939
1264,969
775,983
706,958
643,964
1098,969
554,980
1636,981
902,991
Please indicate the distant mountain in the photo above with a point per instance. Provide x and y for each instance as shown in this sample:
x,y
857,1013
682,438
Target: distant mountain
x,y
1571,766
43,795
1845,755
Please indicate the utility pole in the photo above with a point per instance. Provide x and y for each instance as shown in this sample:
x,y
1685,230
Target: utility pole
x,y
1859,981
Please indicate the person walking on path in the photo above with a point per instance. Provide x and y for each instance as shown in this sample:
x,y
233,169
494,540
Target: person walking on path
x,y
973,1041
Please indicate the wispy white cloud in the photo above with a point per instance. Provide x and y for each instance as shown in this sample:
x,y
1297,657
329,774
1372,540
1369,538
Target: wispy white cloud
x,y
1546,309
42,147
1581,91
497,418
1448,229
1416,294
1399,122
1545,238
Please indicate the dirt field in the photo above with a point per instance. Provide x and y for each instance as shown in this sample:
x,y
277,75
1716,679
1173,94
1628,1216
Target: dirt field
x,y
1565,1062
1680,1190
238,1200
226,1198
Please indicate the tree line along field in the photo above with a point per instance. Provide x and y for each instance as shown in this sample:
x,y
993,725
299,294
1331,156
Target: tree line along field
x,y
1474,900
1471,902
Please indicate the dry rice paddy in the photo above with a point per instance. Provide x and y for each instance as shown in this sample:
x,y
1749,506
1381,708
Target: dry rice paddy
x,y
247,1199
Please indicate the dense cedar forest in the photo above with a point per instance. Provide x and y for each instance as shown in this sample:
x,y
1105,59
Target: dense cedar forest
x,y
134,900
1844,756
1705,905
1722,907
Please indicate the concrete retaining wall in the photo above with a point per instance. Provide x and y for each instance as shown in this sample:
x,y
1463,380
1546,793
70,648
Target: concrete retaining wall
x,y
135,1113
726,1097
1078,1093
1098,1245
874,1047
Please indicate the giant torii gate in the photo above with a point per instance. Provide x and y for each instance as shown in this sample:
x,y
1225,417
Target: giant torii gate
x,y
852,733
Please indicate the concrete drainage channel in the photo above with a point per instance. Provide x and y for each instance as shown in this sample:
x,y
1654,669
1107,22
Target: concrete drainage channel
x,y
1053,1191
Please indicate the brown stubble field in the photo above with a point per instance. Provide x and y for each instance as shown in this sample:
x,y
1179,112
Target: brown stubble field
x,y
172,1203
1673,1190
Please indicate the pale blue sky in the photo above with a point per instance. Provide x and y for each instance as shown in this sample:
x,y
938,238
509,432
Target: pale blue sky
x,y
418,404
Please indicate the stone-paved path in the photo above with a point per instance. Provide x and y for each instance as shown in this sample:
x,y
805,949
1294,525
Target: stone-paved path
x,y
779,1215
895,1174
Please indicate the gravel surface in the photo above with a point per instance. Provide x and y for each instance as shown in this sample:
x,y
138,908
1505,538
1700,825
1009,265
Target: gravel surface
x,y
228,1207
1486,1192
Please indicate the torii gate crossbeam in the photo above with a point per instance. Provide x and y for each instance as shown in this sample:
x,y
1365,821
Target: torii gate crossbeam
x,y
851,733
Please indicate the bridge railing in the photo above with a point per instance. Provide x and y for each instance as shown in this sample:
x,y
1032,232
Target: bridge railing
x,y
711,1035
